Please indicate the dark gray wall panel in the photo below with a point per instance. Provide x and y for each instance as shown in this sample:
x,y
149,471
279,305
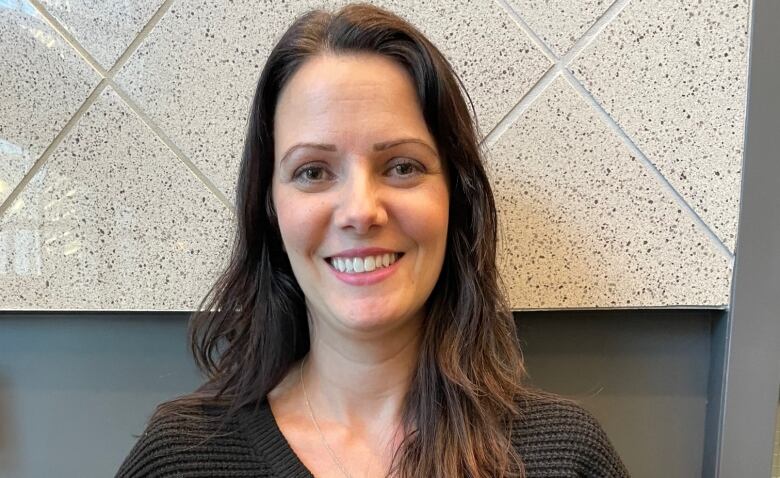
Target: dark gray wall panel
x,y
644,374
74,388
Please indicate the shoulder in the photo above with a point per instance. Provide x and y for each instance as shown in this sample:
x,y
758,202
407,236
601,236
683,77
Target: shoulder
x,y
557,435
188,442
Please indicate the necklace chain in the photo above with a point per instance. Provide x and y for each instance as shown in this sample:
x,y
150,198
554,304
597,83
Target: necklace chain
x,y
319,430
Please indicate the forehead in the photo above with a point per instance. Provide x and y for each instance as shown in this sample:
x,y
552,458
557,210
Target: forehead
x,y
353,100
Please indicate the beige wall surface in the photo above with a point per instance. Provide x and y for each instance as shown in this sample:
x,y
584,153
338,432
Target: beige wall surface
x,y
613,135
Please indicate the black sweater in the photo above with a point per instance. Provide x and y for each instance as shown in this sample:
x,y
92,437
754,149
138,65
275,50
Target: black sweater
x,y
553,439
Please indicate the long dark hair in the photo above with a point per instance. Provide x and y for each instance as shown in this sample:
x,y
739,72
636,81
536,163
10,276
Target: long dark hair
x,y
252,326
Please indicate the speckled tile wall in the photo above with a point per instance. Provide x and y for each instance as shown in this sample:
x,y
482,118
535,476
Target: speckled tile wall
x,y
612,131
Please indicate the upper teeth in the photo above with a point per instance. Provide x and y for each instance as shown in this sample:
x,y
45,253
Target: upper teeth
x,y
355,265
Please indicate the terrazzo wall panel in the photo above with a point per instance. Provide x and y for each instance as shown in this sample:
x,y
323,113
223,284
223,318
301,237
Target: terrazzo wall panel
x,y
613,135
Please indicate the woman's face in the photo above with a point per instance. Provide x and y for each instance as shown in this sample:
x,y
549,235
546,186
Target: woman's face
x,y
358,184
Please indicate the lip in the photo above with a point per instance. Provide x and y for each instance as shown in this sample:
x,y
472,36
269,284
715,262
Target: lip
x,y
366,278
362,252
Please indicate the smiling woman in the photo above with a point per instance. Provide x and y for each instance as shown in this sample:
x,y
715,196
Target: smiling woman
x,y
367,193
360,329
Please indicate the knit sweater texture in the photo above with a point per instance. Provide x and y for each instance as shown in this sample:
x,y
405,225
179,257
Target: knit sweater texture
x,y
554,439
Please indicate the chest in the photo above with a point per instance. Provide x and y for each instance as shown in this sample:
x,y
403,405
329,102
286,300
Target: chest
x,y
355,454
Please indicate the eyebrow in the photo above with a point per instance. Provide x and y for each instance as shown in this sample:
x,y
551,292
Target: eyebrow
x,y
377,146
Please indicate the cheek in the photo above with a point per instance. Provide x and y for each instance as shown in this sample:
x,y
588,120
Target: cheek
x,y
302,222
425,219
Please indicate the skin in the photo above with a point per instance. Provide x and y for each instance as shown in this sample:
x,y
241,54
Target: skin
x,y
364,339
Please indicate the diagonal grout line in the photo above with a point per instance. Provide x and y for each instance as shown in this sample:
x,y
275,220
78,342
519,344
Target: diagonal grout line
x,y
531,95
65,34
559,62
529,31
561,68
108,79
84,53
172,146
140,37
585,39
595,29
44,157
647,163
131,48
525,102
546,80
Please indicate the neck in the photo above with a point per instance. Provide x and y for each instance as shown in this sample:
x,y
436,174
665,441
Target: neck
x,y
361,383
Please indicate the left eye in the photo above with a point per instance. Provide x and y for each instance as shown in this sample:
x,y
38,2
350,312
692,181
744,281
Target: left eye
x,y
407,168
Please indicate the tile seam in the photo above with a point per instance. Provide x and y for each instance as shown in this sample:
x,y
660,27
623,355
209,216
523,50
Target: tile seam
x,y
593,31
582,42
172,146
528,31
562,66
525,102
69,39
559,63
533,93
44,157
140,37
645,161
146,119
107,78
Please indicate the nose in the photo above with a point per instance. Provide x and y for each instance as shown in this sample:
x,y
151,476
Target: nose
x,y
360,206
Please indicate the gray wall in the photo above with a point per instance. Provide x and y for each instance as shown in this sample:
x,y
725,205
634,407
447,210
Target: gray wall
x,y
750,352
644,375
75,388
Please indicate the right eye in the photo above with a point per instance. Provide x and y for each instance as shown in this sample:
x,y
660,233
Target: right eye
x,y
311,174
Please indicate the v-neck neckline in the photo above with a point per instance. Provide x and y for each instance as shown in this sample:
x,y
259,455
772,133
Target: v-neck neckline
x,y
267,439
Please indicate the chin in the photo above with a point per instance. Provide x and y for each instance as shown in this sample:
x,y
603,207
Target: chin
x,y
371,321
368,321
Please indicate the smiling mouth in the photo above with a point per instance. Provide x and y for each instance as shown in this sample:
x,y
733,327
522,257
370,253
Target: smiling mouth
x,y
360,265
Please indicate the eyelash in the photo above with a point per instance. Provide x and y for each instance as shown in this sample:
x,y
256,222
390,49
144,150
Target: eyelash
x,y
299,175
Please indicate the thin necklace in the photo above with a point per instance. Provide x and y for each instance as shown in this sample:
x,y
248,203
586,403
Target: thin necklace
x,y
317,426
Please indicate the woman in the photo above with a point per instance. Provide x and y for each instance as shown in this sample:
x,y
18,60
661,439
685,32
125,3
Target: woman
x,y
360,329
